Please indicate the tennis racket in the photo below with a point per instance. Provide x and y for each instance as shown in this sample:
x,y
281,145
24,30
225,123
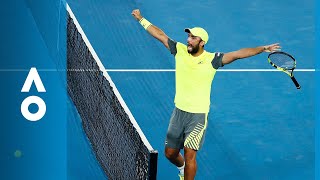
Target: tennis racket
x,y
284,62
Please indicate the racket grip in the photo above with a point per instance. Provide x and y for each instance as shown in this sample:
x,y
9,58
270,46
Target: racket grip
x,y
295,82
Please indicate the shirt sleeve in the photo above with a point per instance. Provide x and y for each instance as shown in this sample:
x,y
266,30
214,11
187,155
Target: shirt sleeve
x,y
172,46
217,60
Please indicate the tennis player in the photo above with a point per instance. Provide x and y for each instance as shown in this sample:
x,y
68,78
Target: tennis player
x,y
195,70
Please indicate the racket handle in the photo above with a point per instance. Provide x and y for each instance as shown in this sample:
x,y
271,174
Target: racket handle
x,y
295,82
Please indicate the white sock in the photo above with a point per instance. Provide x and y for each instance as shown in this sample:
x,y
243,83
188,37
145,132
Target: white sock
x,y
181,169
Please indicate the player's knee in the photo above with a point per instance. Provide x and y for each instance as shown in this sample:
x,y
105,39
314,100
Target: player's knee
x,y
189,155
189,158
171,153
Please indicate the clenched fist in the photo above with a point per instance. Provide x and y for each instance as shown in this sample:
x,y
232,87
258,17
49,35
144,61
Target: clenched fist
x,y
136,14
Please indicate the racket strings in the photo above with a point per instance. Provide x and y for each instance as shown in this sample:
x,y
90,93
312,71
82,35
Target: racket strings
x,y
282,60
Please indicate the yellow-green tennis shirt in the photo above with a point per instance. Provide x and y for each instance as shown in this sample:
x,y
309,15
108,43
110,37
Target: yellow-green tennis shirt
x,y
194,77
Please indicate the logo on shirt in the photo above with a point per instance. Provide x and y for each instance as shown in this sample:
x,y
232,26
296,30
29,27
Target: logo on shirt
x,y
201,62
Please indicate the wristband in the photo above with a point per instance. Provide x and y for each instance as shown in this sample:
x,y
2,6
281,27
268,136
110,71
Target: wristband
x,y
145,23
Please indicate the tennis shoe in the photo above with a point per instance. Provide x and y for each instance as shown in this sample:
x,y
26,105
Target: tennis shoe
x,y
181,176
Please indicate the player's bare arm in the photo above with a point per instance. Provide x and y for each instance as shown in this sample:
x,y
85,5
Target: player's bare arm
x,y
247,52
152,29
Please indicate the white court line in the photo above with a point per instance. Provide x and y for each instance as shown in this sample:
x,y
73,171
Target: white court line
x,y
156,70
24,70
222,70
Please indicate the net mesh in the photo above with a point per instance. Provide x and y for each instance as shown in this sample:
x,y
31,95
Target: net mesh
x,y
116,143
282,60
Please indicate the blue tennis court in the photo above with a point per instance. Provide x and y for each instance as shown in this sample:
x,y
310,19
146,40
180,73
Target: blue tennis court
x,y
260,125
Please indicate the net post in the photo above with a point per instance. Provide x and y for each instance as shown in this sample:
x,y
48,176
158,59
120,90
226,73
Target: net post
x,y
153,165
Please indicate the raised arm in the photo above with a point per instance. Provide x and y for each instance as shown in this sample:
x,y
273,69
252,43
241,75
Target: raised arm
x,y
152,29
247,52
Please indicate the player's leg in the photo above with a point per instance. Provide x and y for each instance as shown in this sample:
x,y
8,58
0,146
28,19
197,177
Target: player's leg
x,y
194,133
174,141
191,163
174,156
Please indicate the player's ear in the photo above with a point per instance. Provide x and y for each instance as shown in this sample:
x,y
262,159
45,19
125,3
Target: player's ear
x,y
202,43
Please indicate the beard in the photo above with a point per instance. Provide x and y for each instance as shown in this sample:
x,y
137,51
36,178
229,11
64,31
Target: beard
x,y
194,49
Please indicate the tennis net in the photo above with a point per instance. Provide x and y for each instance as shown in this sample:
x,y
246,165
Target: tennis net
x,y
116,139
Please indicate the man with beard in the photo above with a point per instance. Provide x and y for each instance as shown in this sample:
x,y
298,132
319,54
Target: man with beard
x,y
195,70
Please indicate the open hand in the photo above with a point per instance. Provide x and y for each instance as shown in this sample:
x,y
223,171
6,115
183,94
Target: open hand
x,y
272,47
